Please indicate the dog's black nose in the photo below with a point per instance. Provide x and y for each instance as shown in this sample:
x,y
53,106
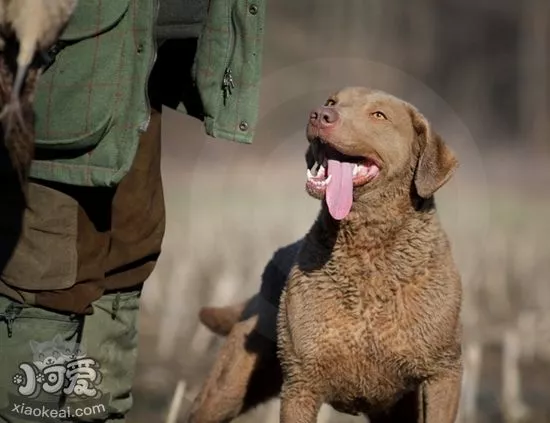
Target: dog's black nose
x,y
323,116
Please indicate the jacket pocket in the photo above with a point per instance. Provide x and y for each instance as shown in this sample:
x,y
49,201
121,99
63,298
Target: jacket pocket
x,y
45,256
75,96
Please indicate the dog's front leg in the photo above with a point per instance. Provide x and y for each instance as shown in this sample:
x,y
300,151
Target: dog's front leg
x,y
441,398
299,404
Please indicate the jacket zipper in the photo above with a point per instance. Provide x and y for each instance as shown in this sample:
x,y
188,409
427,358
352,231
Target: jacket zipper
x,y
228,84
49,57
9,316
152,60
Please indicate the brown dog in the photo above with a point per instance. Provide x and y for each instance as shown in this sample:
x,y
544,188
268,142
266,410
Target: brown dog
x,y
368,320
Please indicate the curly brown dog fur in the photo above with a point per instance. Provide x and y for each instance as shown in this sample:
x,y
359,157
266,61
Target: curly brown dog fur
x,y
368,319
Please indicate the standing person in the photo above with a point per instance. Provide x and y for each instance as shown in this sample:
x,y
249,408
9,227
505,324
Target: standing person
x,y
72,271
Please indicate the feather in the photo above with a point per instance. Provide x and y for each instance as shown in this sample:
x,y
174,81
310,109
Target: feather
x,y
28,28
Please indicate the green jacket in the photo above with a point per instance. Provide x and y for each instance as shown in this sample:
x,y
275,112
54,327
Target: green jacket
x,y
92,104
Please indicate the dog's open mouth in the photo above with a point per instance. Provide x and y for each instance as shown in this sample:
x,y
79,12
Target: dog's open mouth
x,y
335,175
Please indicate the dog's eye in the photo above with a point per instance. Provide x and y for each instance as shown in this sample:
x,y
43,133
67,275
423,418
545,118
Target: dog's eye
x,y
330,102
379,115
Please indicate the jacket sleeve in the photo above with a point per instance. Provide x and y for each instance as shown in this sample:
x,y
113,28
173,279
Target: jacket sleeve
x,y
227,68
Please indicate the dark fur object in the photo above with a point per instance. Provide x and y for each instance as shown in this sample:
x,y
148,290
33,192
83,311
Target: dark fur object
x,y
17,121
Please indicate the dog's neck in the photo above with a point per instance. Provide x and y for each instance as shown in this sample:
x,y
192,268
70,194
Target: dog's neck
x,y
375,219
372,227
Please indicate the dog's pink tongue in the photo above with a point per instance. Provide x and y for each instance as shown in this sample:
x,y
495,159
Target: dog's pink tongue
x,y
340,188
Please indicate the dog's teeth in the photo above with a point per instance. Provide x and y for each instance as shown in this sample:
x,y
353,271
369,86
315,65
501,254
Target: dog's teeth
x,y
355,170
321,171
309,174
324,182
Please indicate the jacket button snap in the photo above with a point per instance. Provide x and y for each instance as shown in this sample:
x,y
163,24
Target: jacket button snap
x,y
253,9
243,126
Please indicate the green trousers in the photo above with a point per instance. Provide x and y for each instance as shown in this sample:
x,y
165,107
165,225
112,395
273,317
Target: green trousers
x,y
60,367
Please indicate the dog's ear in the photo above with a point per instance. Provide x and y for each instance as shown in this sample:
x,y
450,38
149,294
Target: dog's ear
x,y
436,163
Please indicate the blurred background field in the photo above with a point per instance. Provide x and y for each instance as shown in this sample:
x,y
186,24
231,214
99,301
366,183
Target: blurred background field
x,y
480,71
